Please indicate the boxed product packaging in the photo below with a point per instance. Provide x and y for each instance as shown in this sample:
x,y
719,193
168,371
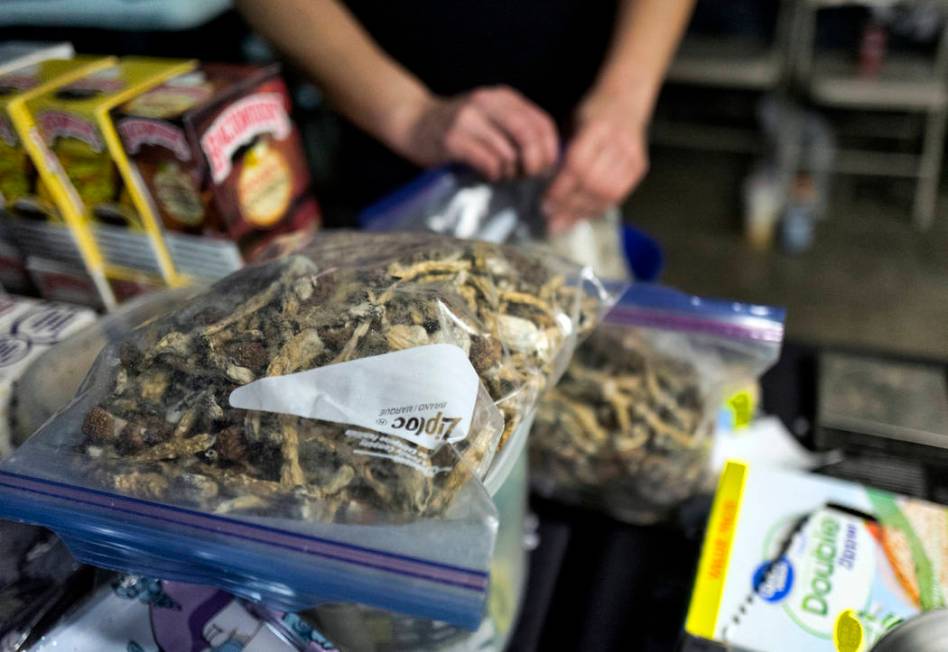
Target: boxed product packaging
x,y
17,54
19,184
804,562
221,163
27,328
34,218
76,149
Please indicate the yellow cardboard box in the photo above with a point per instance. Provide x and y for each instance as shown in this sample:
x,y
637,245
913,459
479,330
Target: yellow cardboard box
x,y
22,192
21,59
73,143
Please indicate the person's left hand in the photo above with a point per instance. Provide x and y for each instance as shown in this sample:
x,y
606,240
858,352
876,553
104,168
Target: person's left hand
x,y
604,161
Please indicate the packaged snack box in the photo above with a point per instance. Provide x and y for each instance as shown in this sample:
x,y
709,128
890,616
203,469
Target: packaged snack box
x,y
77,153
17,54
221,163
803,562
19,183
27,328
33,217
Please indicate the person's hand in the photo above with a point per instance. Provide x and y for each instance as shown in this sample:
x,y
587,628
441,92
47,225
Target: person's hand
x,y
605,160
495,130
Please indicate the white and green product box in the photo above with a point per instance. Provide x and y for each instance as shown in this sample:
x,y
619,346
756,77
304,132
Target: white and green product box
x,y
796,562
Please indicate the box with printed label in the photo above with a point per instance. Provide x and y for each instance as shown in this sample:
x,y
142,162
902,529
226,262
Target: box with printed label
x,y
18,54
27,328
19,186
34,215
77,152
222,165
802,562
17,66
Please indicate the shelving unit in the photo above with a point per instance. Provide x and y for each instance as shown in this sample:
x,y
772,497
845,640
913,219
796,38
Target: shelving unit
x,y
904,83
733,63
907,83
793,66
729,63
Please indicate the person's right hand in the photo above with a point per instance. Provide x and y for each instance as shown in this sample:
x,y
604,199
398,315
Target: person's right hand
x,y
495,130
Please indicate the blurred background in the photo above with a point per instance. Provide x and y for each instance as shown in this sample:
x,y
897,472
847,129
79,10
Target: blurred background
x,y
796,159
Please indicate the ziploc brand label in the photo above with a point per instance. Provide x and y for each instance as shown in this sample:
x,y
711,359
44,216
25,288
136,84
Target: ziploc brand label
x,y
740,407
392,447
425,395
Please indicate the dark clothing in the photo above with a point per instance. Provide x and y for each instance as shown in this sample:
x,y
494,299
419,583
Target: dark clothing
x,y
549,50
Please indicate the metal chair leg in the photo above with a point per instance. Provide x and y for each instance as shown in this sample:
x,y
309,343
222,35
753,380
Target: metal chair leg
x,y
926,190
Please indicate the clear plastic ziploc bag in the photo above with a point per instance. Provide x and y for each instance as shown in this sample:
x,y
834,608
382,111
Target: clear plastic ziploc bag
x,y
313,429
629,428
461,204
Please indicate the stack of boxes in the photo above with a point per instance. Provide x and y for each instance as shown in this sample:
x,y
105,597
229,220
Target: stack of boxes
x,y
123,175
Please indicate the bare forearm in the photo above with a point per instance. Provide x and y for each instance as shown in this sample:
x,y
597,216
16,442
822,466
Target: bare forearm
x,y
645,39
607,156
328,43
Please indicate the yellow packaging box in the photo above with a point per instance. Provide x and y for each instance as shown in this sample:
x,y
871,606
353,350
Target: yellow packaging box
x,y
77,153
17,68
21,190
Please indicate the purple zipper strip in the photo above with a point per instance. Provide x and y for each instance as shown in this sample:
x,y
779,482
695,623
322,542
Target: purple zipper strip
x,y
381,560
63,487
679,322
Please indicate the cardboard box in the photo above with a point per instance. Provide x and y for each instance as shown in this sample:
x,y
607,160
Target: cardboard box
x,y
32,220
79,157
803,562
18,54
221,163
29,327
18,71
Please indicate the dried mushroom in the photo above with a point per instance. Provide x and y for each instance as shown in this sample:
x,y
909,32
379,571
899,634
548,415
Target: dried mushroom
x,y
627,428
166,431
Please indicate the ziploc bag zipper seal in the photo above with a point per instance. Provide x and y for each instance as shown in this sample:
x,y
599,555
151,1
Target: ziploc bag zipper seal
x,y
653,306
278,554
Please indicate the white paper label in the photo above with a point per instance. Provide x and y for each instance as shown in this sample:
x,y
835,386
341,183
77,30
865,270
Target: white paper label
x,y
390,447
425,395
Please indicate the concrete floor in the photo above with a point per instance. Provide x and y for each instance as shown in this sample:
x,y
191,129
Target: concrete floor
x,y
870,281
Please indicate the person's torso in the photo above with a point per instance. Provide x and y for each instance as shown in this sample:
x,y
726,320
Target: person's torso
x,y
550,50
